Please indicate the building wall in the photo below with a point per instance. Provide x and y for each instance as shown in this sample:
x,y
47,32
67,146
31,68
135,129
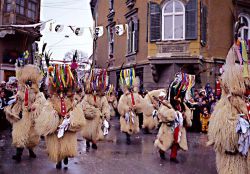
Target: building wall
x,y
101,54
220,28
120,42
220,23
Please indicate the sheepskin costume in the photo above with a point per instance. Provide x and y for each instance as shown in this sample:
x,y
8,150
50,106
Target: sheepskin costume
x,y
112,103
150,122
165,137
61,117
26,109
222,127
129,105
49,121
97,110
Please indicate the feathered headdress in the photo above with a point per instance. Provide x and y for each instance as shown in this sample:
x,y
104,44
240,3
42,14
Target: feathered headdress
x,y
97,81
181,86
128,80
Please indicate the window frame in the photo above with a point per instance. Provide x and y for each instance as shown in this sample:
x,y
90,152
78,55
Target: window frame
x,y
242,30
32,2
8,3
131,37
173,14
111,40
19,6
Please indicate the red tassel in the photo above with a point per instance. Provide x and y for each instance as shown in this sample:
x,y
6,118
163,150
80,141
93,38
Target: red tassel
x,y
26,97
132,98
95,98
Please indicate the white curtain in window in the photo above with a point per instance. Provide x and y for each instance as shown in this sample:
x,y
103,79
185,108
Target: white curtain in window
x,y
168,27
173,14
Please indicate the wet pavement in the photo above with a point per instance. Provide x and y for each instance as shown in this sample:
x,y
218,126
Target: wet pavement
x,y
114,156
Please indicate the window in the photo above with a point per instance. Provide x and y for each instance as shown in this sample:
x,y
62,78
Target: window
x,y
20,7
173,20
132,36
111,41
8,6
245,31
31,10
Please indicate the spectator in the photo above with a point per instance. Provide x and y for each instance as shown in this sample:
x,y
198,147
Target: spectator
x,y
204,118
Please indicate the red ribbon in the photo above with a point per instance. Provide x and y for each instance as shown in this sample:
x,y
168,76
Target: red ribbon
x,y
132,98
95,98
182,84
26,97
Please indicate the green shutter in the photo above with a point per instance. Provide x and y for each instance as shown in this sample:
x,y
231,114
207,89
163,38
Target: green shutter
x,y
191,19
155,22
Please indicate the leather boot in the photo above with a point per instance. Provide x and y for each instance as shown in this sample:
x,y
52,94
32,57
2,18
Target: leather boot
x,y
59,165
32,154
18,156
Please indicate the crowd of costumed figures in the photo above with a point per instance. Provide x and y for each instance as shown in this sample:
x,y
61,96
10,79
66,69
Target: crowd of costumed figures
x,y
53,102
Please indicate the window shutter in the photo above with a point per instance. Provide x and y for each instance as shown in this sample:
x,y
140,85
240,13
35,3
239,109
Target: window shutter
x,y
191,19
203,25
155,22
136,28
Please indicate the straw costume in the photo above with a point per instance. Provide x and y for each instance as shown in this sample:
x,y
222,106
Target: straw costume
x,y
229,130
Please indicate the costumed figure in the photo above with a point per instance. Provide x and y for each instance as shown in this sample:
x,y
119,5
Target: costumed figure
x,y
174,119
152,103
130,103
61,117
229,128
112,101
27,107
97,111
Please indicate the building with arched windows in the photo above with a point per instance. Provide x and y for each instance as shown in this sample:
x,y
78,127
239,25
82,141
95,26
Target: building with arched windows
x,y
162,37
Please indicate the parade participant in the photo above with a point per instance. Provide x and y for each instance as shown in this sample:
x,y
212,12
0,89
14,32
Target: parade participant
x,y
61,116
152,103
174,120
112,101
97,111
130,103
28,106
227,113
204,119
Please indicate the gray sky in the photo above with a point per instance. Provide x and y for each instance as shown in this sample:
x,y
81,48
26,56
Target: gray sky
x,y
66,12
